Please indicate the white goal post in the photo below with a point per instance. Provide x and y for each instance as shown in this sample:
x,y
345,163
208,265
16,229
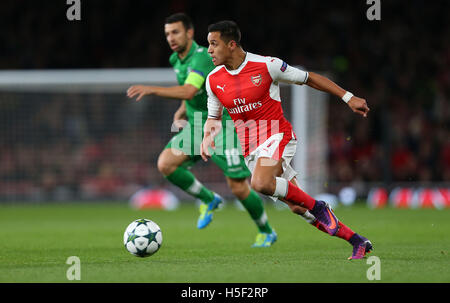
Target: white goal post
x,y
309,120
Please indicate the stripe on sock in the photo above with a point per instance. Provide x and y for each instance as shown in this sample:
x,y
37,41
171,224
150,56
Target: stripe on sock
x,y
262,220
195,188
308,217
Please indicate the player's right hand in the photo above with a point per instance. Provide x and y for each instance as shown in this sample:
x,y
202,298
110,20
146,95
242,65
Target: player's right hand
x,y
178,124
180,118
139,90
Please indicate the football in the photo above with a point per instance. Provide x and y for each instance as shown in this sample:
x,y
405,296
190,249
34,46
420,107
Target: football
x,y
142,238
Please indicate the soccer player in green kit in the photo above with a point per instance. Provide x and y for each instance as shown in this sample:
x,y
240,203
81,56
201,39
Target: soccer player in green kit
x,y
192,64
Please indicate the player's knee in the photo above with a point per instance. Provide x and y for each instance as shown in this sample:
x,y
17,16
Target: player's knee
x,y
263,185
240,189
165,167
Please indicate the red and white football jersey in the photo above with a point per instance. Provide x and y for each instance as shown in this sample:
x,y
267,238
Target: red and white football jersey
x,y
251,95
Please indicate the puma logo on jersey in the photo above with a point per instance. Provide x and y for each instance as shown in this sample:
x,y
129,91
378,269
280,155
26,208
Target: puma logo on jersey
x,y
222,88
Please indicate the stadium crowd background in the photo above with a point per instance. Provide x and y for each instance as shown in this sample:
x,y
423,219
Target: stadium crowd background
x,y
400,65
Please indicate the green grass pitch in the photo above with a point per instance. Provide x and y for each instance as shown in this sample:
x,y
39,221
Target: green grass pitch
x,y
35,241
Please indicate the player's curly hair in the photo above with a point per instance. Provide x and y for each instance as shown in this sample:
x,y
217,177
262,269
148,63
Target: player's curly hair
x,y
228,29
185,19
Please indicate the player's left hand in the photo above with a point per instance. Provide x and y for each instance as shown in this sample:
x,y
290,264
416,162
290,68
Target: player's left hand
x,y
359,106
140,91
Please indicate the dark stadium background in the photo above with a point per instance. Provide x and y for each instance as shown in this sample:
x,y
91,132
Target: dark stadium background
x,y
400,65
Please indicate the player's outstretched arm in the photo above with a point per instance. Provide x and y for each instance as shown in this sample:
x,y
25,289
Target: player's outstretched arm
x,y
182,92
180,117
358,105
211,128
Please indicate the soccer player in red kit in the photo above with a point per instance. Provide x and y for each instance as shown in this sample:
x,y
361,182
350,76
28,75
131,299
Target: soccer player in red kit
x,y
247,85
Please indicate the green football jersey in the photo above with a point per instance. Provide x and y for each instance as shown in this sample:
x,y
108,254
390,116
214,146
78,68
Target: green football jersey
x,y
193,69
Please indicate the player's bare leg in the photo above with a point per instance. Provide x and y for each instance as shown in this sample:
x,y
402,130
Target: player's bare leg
x,y
169,160
239,187
171,165
254,206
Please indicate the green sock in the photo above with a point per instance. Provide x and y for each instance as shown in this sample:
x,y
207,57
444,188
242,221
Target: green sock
x,y
254,205
185,180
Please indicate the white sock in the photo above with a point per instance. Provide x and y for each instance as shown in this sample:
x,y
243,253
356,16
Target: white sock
x,y
281,188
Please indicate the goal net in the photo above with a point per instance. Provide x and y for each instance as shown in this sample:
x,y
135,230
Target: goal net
x,y
74,135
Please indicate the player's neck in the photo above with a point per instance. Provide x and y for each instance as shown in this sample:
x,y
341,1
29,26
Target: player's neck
x,y
236,59
183,54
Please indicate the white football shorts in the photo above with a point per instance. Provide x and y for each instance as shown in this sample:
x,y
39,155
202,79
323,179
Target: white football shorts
x,y
267,151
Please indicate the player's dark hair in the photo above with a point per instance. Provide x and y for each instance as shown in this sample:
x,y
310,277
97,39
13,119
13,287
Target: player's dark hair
x,y
185,19
228,30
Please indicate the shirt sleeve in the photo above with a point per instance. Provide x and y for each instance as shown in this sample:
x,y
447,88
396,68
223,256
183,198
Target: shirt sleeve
x,y
215,107
280,71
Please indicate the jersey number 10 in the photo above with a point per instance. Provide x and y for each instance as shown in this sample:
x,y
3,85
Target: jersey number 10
x,y
232,156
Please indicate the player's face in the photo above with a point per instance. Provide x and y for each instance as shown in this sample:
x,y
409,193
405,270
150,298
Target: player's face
x,y
177,36
219,51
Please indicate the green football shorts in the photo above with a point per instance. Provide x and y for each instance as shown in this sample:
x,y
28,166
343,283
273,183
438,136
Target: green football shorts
x,y
227,154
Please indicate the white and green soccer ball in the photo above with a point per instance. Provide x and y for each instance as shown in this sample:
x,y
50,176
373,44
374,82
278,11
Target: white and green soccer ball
x,y
142,238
